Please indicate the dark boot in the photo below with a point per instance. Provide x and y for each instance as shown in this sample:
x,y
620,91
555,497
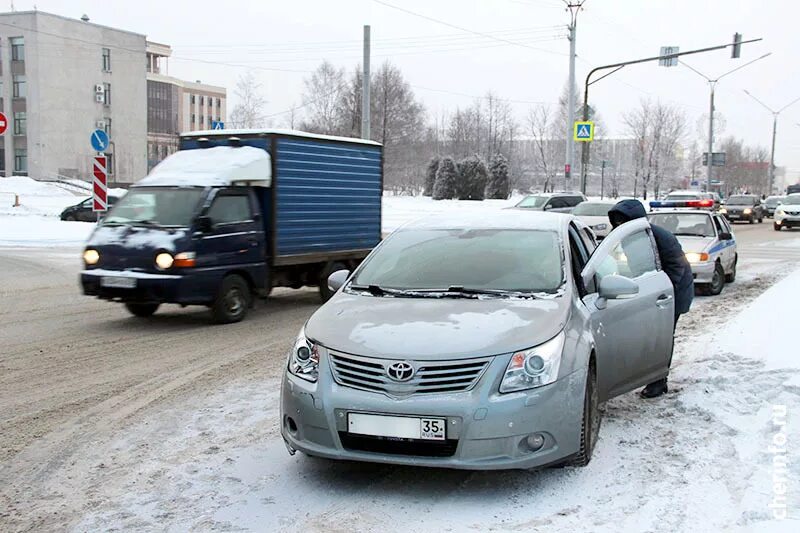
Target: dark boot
x,y
655,389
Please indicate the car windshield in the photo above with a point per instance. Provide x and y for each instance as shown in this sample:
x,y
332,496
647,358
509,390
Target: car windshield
x,y
686,224
741,200
682,197
589,209
479,260
168,207
533,201
772,201
792,200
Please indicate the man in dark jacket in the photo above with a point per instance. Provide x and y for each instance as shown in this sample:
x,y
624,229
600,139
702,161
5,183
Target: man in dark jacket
x,y
673,263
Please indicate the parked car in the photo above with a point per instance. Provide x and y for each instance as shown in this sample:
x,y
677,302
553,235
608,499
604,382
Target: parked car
x,y
743,207
82,212
233,214
787,215
595,215
557,202
481,341
771,203
689,200
709,244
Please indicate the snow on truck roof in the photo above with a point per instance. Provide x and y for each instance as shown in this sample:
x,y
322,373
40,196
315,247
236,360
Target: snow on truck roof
x,y
291,133
207,167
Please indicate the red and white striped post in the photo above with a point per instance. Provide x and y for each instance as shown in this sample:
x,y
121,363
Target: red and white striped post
x,y
100,185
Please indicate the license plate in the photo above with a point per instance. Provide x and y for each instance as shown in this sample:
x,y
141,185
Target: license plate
x,y
118,282
401,427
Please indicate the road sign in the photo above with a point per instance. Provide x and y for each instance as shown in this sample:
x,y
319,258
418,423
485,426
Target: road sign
x,y
3,123
584,131
100,184
669,61
217,125
717,160
99,140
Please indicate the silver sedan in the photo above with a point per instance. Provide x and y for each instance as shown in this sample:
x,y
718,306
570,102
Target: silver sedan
x,y
479,342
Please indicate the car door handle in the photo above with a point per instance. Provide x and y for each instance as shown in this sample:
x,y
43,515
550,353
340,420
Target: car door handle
x,y
663,300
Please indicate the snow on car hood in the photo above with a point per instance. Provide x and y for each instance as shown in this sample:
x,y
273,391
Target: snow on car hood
x,y
435,329
695,244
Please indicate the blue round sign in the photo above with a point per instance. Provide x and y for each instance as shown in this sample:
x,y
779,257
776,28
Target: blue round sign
x,y
99,140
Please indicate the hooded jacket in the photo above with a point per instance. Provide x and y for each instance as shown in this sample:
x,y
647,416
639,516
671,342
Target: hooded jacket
x,y
673,259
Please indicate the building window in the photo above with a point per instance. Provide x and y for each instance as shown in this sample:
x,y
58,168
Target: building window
x,y
18,49
107,93
219,103
20,123
20,160
202,101
202,120
20,90
106,59
193,100
109,163
107,126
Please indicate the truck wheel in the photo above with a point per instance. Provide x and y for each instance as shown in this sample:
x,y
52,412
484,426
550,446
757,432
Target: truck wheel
x,y
141,310
232,301
324,292
590,424
731,276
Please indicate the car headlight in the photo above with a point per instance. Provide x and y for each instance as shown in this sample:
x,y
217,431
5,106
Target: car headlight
x,y
91,257
164,260
723,211
694,257
747,211
535,367
600,227
304,359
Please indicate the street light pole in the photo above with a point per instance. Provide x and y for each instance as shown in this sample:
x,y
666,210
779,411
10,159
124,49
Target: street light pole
x,y
774,134
574,7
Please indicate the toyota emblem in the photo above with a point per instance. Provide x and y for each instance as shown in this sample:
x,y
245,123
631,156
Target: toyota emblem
x,y
400,371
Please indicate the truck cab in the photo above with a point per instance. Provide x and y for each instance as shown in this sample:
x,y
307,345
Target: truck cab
x,y
234,214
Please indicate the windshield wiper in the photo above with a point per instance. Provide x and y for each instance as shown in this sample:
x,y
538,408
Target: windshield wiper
x,y
377,290
148,223
468,292
691,235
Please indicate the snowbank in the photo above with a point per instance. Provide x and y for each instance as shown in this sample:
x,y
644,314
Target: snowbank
x,y
42,231
35,197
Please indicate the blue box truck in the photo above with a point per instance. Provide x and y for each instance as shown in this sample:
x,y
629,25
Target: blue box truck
x,y
233,214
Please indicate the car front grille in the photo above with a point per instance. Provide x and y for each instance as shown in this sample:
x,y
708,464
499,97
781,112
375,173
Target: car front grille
x,y
370,374
393,446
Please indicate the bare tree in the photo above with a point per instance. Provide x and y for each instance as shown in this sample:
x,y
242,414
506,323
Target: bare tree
x,y
541,127
321,99
249,111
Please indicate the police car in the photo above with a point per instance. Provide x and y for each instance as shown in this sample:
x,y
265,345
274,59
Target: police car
x,y
708,242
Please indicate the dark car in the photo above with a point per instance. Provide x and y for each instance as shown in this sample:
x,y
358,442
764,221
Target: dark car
x,y
82,212
744,207
771,203
557,202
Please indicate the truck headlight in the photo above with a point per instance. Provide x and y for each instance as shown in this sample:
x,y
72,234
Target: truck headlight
x,y
91,257
164,260
304,359
535,367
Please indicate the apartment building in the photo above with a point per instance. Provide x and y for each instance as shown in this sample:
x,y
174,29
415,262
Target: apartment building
x,y
62,78
176,106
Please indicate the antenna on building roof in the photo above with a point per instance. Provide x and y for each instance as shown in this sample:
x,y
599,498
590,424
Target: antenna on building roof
x,y
85,17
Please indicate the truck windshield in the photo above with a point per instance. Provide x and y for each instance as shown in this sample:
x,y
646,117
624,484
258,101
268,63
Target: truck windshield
x,y
157,206
487,259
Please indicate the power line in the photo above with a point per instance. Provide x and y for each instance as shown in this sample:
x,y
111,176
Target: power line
x,y
483,34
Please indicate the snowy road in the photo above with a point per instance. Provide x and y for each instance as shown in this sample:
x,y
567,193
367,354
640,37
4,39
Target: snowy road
x,y
108,423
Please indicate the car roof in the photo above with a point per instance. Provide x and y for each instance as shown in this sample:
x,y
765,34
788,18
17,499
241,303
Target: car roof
x,y
494,219
557,193
599,202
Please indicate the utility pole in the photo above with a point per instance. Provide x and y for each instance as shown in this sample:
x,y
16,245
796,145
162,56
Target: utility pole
x,y
602,177
710,161
774,134
574,7
365,118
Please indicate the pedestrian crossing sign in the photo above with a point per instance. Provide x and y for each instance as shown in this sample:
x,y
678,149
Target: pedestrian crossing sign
x,y
584,131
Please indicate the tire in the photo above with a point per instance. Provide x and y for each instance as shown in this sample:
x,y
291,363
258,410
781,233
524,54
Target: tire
x,y
731,277
752,219
590,423
70,218
717,282
141,310
325,293
776,227
232,301
761,219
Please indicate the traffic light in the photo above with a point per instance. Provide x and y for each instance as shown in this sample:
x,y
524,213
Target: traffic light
x,y
737,46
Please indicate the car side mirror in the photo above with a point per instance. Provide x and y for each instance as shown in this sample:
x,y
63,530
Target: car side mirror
x,y
725,236
547,207
337,279
204,224
615,287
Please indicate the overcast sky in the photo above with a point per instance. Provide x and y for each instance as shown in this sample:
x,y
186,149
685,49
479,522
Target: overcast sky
x,y
283,40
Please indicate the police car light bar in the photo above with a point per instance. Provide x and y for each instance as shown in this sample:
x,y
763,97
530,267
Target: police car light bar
x,y
683,203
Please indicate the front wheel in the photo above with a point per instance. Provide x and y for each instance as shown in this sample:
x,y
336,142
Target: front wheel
x,y
717,282
590,424
232,301
752,219
141,310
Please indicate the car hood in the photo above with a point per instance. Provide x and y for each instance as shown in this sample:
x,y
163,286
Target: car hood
x,y
695,244
433,329
123,247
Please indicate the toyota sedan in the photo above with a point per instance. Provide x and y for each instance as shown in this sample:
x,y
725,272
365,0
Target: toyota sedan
x,y
479,342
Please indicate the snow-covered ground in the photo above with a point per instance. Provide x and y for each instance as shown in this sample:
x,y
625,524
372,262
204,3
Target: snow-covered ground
x,y
715,454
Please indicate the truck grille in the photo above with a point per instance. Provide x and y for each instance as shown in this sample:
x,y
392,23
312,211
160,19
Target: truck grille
x,y
429,377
